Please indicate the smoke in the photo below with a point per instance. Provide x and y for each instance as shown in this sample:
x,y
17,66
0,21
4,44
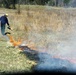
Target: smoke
x,y
61,49
48,64
67,49
62,59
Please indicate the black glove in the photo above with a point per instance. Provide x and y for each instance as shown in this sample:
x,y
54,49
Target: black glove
x,y
9,27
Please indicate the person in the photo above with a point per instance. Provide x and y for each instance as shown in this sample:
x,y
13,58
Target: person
x,y
4,21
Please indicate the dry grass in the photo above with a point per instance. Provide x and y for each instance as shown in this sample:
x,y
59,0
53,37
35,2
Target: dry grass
x,y
44,26
37,23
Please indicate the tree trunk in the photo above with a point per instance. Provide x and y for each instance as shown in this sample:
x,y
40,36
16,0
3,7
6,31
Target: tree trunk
x,y
13,4
19,7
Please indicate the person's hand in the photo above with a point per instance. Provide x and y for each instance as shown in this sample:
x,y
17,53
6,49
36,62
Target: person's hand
x,y
9,27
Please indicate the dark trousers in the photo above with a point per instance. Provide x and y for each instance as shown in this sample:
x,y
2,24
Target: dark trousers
x,y
3,29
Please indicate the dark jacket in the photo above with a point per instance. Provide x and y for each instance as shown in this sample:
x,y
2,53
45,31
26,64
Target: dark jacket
x,y
4,20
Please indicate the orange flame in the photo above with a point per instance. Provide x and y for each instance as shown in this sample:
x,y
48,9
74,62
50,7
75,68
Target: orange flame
x,y
14,42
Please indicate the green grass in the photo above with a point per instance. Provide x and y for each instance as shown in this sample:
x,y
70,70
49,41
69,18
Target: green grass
x,y
12,60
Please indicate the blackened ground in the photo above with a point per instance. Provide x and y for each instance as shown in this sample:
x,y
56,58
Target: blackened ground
x,y
47,63
56,65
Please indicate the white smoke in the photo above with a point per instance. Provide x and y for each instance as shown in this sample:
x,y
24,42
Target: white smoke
x,y
64,62
47,64
62,46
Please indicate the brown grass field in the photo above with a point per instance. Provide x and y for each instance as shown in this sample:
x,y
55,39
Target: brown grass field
x,y
45,26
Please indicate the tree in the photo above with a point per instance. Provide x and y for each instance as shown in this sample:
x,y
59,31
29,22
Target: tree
x,y
1,3
9,4
12,3
66,2
19,1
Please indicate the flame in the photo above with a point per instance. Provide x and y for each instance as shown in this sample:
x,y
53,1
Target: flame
x,y
13,41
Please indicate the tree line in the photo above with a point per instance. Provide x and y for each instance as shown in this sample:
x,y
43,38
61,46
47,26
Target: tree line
x,y
12,3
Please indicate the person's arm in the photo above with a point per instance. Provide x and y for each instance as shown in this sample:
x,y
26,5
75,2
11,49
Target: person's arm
x,y
8,24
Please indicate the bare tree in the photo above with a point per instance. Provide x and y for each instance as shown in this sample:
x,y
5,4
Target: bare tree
x,y
19,7
60,2
9,4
